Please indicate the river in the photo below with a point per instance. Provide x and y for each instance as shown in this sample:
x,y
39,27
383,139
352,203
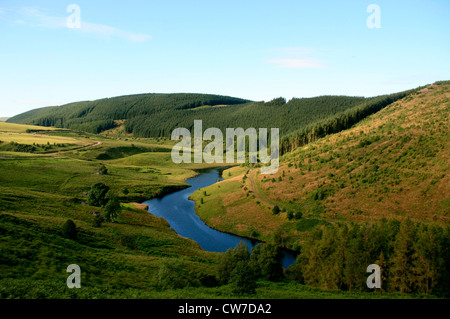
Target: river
x,y
179,211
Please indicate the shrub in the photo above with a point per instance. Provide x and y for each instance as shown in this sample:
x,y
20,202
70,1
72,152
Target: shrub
x,y
290,215
243,279
69,229
97,195
172,274
98,220
276,210
112,208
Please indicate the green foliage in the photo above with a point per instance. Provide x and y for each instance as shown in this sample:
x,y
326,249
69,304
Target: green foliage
x,y
98,220
276,210
69,229
265,260
103,170
243,279
125,191
172,274
112,208
16,147
338,121
97,195
97,116
290,215
229,261
413,257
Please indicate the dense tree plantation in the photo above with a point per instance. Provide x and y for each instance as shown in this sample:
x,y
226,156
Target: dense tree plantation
x,y
413,257
339,122
155,115
99,115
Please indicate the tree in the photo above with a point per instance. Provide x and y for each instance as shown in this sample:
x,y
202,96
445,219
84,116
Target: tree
x,y
69,229
243,279
276,210
229,261
112,208
427,259
290,215
97,195
266,261
401,271
103,170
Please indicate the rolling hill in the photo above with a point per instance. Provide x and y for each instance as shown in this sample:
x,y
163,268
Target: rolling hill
x,y
393,164
349,163
156,115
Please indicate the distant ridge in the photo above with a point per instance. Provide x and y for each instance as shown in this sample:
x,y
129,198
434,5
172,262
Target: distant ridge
x,y
300,120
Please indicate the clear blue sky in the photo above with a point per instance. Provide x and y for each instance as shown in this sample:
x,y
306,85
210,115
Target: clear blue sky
x,y
252,49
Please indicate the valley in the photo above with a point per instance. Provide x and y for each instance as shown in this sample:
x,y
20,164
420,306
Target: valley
x,y
392,164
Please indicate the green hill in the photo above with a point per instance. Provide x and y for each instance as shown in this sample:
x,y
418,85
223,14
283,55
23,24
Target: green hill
x,y
156,115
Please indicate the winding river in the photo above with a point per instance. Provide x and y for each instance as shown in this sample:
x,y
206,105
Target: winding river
x,y
179,211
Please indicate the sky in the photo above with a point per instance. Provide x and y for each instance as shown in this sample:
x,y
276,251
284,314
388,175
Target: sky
x,y
56,52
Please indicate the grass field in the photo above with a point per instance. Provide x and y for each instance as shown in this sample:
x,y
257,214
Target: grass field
x,y
43,139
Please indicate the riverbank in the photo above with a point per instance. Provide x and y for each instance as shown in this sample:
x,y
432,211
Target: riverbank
x,y
180,212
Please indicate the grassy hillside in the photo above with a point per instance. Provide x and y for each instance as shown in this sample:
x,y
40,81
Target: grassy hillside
x,y
376,193
394,164
40,192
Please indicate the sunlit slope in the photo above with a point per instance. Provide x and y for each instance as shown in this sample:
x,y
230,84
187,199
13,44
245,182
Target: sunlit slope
x,y
394,163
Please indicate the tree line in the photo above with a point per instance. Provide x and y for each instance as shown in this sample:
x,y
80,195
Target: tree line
x,y
339,122
413,257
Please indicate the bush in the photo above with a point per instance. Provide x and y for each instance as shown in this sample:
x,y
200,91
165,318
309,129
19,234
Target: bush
x,y
276,210
125,191
97,195
103,170
69,229
243,279
229,261
266,261
290,215
112,208
98,220
172,274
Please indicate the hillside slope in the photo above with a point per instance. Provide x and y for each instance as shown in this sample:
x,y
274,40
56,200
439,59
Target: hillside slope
x,y
99,115
394,163
156,115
